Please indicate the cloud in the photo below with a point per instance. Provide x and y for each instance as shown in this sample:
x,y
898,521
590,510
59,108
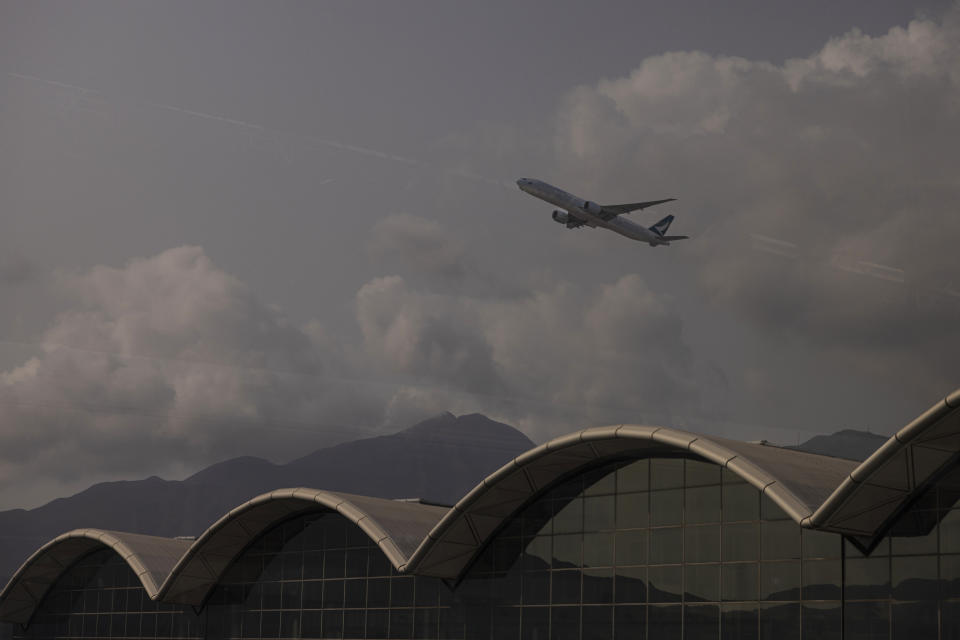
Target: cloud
x,y
161,366
412,243
17,270
848,156
562,356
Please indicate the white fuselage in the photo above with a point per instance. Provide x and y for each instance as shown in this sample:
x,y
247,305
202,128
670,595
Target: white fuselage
x,y
579,208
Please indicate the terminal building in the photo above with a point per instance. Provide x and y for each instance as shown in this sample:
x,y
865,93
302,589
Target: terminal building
x,y
626,532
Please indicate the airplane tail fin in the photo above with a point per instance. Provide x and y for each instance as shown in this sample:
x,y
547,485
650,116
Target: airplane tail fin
x,y
661,227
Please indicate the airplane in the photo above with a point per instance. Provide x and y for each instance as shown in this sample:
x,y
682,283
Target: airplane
x,y
577,212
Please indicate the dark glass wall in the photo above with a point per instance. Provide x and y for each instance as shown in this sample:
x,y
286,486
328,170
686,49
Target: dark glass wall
x,y
320,576
100,597
909,585
661,548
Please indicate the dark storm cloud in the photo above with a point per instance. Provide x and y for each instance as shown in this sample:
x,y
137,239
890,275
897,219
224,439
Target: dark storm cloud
x,y
845,162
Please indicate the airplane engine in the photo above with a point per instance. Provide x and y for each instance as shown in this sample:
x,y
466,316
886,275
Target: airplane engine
x,y
591,207
561,216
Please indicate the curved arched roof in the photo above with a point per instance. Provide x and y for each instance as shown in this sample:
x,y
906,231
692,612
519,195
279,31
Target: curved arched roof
x,y
885,484
396,526
797,481
150,557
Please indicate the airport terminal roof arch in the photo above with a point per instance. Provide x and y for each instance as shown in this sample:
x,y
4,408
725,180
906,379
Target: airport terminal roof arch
x,y
151,558
396,526
871,498
796,481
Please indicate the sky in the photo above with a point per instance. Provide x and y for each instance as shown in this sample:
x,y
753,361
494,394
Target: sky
x,y
237,228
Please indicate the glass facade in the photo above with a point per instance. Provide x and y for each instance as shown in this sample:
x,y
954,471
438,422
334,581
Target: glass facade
x,y
320,576
100,597
659,548
650,549
909,585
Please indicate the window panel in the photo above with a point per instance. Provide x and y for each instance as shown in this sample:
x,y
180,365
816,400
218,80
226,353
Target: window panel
x,y
401,623
633,510
701,543
290,625
699,473
332,594
666,473
630,585
740,541
665,583
666,545
780,621
566,551
701,622
702,504
739,621
312,594
537,554
378,622
333,563
633,476
534,623
867,578
355,593
629,622
598,549
536,587
565,587
769,510
290,595
600,481
597,623
821,544
505,623
822,579
631,547
950,576
950,532
913,620
702,582
740,502
739,581
568,516
950,620
666,507
866,621
780,580
780,540
401,592
598,586
564,623
914,578
822,620
665,621
598,513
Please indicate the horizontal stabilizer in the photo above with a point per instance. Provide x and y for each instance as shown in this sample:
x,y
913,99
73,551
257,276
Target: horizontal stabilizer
x,y
669,238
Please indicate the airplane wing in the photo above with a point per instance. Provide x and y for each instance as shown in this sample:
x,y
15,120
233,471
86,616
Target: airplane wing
x,y
611,211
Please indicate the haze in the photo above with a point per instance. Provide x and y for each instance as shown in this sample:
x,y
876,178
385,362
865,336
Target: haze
x,y
258,228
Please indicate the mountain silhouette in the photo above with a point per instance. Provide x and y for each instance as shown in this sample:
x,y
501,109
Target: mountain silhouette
x,y
440,459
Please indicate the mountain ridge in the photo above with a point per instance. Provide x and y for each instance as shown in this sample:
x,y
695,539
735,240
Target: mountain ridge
x,y
439,459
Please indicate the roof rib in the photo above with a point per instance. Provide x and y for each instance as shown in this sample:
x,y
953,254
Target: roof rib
x,y
796,481
397,527
871,497
150,557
